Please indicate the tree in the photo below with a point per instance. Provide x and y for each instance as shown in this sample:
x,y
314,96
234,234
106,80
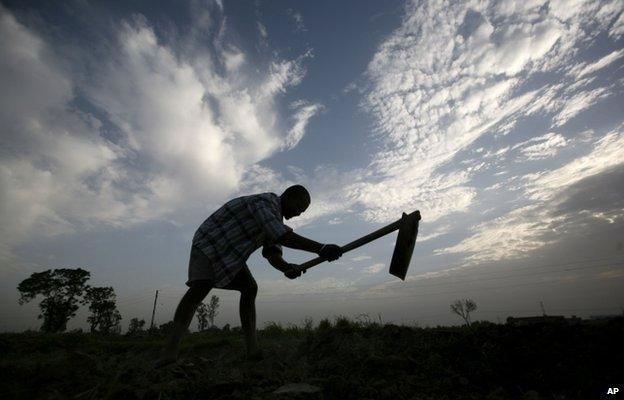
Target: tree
x,y
136,326
202,317
104,316
62,289
213,308
463,308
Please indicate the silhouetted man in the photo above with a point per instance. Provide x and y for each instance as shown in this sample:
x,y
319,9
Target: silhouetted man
x,y
220,249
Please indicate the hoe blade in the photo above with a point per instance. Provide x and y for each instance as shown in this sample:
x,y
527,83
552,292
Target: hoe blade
x,y
404,246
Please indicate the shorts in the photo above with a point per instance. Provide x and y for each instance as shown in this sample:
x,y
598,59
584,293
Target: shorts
x,y
200,268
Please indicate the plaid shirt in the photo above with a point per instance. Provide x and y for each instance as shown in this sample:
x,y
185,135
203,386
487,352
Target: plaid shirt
x,y
237,229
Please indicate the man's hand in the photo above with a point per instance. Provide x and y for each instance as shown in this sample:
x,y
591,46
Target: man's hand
x,y
330,252
293,271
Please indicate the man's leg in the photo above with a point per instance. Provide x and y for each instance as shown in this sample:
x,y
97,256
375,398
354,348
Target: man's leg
x,y
182,319
246,285
247,310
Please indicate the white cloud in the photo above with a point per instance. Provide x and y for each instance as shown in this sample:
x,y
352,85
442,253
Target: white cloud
x,y
373,269
442,80
258,178
541,147
608,151
48,151
583,69
262,30
565,100
617,29
453,73
323,204
303,113
188,134
297,19
519,232
387,199
233,60
282,287
442,230
578,103
513,235
361,258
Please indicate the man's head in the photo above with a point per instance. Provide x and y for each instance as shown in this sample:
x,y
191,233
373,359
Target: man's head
x,y
295,200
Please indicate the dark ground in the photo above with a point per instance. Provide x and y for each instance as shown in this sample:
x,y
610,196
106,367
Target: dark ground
x,y
345,360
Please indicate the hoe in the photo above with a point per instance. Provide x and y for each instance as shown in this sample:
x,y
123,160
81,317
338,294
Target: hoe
x,y
403,249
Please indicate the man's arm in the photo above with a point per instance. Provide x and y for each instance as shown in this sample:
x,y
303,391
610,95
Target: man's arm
x,y
295,241
276,260
330,252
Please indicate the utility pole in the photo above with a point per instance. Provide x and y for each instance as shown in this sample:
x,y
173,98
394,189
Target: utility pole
x,y
154,311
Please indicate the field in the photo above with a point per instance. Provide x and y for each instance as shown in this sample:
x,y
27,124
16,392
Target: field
x,y
337,360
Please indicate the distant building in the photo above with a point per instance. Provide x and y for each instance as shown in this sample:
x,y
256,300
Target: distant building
x,y
560,319
610,316
542,319
602,319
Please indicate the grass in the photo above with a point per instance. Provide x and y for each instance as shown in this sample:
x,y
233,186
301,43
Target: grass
x,y
348,359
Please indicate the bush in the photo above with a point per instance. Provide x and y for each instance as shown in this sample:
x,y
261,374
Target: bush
x,y
324,324
308,324
344,323
273,328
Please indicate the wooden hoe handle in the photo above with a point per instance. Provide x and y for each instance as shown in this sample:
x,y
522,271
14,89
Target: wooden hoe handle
x,y
358,242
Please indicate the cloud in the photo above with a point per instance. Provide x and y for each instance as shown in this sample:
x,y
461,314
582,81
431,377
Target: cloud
x,y
513,235
578,103
608,152
453,74
541,147
439,231
297,20
576,197
437,196
52,156
583,69
373,269
275,288
262,30
617,30
303,113
175,127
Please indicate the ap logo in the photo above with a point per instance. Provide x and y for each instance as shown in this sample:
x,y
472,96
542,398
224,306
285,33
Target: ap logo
x,y
613,390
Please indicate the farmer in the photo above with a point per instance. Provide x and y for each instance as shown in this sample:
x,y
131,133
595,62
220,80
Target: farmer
x,y
220,249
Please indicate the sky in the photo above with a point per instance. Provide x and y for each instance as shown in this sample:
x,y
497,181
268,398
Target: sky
x,y
123,125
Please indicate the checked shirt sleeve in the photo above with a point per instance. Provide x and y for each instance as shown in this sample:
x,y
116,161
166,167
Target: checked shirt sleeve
x,y
269,219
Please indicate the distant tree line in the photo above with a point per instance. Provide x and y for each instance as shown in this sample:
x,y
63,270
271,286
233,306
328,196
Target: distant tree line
x,y
65,289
